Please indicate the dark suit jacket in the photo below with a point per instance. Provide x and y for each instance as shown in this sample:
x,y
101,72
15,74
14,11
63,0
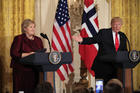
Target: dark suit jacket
x,y
106,46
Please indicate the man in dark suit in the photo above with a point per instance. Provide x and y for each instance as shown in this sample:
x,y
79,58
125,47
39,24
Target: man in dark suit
x,y
110,41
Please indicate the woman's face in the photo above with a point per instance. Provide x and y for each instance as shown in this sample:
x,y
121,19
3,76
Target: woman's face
x,y
30,30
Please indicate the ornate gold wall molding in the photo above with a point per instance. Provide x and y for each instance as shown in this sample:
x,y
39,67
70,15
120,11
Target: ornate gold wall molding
x,y
76,11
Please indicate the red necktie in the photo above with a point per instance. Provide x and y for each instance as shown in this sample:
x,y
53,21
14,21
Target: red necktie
x,y
116,41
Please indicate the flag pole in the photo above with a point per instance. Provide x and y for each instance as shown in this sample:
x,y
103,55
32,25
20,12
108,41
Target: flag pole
x,y
54,82
63,87
89,79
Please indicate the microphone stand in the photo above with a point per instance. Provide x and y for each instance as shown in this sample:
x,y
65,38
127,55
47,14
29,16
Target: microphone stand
x,y
128,43
49,45
45,36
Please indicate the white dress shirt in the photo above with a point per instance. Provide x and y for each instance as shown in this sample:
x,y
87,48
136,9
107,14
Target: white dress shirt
x,y
114,35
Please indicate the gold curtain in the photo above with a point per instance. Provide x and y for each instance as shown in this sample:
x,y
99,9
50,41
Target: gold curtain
x,y
129,11
12,13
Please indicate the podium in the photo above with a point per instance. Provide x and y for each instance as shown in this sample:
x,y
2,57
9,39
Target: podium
x,y
127,64
121,58
40,61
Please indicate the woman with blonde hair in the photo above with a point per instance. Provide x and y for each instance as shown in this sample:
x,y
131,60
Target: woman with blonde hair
x,y
25,77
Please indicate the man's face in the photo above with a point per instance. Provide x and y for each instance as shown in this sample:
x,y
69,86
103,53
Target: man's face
x,y
116,26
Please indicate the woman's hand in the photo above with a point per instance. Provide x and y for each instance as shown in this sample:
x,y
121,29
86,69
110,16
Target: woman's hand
x,y
27,54
78,38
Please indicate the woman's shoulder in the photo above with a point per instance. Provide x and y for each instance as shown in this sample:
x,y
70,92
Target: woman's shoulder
x,y
37,37
19,36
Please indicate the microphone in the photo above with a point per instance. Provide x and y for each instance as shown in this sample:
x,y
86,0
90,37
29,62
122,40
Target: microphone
x,y
127,42
46,37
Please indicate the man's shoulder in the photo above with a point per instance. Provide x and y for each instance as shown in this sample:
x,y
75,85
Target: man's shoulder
x,y
121,33
104,30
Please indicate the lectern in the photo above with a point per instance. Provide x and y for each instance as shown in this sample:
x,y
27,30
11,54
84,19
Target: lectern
x,y
40,61
122,59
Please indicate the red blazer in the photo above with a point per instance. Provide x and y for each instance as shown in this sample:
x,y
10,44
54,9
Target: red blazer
x,y
21,44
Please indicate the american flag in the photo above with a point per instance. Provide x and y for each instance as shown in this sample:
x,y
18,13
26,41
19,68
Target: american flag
x,y
89,28
61,40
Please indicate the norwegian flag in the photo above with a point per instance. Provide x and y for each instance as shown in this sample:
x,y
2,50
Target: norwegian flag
x,y
89,28
61,40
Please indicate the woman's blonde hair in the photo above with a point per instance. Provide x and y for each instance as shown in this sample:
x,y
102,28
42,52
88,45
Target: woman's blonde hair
x,y
26,23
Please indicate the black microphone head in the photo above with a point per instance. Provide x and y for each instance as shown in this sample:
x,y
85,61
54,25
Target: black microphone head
x,y
44,35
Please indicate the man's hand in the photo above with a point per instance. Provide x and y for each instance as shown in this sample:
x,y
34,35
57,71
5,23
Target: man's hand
x,y
78,38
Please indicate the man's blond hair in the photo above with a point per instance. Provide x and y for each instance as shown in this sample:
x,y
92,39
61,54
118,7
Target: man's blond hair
x,y
116,19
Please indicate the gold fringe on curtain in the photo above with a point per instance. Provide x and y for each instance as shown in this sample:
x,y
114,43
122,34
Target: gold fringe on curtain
x,y
12,13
